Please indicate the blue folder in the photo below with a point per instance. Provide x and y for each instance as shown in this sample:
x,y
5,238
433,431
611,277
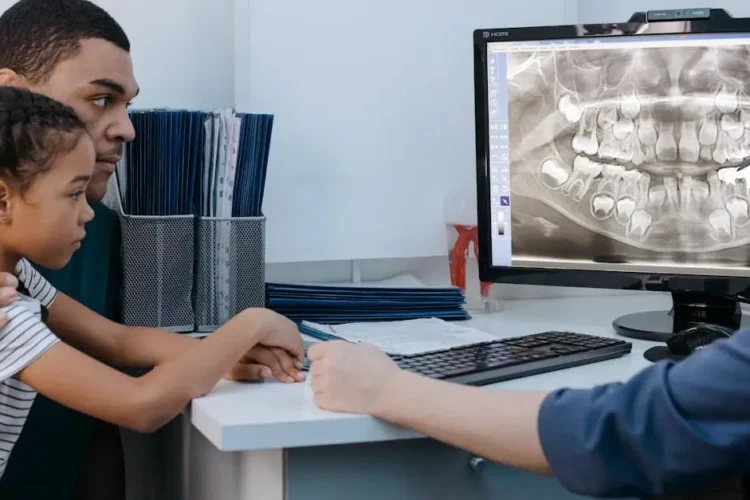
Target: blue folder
x,y
184,163
343,304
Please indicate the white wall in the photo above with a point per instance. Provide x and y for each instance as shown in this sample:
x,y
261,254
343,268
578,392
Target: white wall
x,y
601,11
374,117
183,50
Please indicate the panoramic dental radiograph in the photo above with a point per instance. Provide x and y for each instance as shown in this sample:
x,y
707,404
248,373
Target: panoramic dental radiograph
x,y
631,156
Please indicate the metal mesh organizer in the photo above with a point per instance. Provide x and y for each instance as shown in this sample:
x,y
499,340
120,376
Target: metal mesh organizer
x,y
229,269
157,270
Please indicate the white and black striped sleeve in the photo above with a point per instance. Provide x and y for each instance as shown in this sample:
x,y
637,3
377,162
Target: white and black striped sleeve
x,y
22,340
39,288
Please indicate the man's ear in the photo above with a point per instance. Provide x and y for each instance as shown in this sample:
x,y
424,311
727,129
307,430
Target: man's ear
x,y
10,78
6,203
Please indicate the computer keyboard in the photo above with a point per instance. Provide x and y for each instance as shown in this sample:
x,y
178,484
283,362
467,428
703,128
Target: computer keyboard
x,y
506,359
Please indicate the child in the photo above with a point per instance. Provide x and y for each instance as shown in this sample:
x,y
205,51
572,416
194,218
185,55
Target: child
x,y
46,161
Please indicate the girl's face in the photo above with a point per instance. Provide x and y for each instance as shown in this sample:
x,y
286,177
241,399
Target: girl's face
x,y
45,223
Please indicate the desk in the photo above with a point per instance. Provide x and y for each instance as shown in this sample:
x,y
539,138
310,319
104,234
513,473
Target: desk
x,y
269,441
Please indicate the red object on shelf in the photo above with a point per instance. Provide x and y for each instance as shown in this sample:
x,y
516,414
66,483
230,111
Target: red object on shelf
x,y
460,253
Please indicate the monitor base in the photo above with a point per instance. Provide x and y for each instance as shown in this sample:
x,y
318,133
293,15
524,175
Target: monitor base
x,y
656,326
689,308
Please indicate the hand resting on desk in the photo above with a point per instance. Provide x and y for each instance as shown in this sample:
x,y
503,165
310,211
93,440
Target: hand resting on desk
x,y
350,378
265,362
357,378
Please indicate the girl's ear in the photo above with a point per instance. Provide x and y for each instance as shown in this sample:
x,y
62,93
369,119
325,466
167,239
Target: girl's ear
x,y
10,78
6,203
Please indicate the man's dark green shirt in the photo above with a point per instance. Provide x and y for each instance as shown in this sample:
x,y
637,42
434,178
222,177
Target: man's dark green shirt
x,y
51,449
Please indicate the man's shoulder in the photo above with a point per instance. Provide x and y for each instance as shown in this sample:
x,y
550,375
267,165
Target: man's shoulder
x,y
100,231
103,213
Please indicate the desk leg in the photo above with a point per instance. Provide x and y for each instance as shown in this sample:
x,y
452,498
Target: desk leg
x,y
261,475
249,475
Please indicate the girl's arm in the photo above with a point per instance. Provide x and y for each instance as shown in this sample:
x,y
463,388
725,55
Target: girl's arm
x,y
138,347
115,344
144,404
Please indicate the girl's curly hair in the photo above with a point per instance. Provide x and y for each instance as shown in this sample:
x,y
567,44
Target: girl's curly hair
x,y
34,129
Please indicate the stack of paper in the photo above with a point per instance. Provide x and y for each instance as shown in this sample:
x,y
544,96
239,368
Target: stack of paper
x,y
401,337
195,163
233,177
336,304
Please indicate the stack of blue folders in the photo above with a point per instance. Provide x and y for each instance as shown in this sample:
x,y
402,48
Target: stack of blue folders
x,y
195,163
343,304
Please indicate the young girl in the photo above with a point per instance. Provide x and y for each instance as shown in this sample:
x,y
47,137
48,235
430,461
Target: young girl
x,y
46,161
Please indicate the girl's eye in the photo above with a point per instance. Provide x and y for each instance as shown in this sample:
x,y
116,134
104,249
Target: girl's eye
x,y
76,195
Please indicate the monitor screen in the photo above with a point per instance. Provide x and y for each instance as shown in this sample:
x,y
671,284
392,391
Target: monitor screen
x,y
619,153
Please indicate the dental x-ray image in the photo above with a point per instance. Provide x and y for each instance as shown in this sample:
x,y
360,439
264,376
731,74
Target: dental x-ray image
x,y
631,156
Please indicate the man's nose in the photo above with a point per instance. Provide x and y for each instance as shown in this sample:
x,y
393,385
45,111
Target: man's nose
x,y
121,130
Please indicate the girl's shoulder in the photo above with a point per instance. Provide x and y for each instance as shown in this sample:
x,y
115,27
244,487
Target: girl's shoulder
x,y
31,305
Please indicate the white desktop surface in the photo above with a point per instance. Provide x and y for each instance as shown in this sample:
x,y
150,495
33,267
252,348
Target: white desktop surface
x,y
272,415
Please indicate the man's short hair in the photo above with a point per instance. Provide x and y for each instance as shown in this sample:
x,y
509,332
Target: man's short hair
x,y
37,35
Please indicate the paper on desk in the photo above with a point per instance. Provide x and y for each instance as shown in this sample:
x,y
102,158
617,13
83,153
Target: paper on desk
x,y
400,281
407,337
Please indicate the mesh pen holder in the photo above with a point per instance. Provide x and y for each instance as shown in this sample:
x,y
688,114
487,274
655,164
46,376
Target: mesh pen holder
x,y
157,270
230,273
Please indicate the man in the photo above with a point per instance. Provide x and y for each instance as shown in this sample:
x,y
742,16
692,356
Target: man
x,y
673,428
73,51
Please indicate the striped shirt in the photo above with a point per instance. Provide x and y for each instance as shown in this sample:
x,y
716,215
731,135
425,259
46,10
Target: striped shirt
x,y
23,339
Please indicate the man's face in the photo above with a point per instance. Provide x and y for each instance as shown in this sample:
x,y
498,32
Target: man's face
x,y
99,84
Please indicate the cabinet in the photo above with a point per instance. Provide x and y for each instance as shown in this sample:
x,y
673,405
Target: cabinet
x,y
407,470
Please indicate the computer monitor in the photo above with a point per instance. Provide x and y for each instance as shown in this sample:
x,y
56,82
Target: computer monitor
x,y
615,156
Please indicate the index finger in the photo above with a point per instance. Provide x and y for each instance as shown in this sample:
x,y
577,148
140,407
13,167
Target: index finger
x,y
298,349
286,361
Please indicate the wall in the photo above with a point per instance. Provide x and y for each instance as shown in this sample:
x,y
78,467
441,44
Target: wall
x,y
374,117
183,50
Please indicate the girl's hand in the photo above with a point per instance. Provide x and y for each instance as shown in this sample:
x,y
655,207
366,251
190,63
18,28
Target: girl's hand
x,y
278,349
264,362
281,333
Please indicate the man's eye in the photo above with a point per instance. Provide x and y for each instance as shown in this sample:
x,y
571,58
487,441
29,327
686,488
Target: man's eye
x,y
103,101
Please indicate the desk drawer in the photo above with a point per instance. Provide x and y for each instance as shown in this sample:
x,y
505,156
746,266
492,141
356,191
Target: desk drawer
x,y
407,470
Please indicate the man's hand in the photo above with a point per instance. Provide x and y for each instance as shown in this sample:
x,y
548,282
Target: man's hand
x,y
8,294
264,362
351,378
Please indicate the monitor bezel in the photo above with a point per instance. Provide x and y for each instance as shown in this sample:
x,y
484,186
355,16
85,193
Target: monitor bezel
x,y
719,21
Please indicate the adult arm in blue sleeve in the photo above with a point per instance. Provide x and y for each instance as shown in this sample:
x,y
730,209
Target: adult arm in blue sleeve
x,y
672,427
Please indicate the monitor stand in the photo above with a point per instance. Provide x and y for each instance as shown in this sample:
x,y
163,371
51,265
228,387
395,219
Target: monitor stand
x,y
688,308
